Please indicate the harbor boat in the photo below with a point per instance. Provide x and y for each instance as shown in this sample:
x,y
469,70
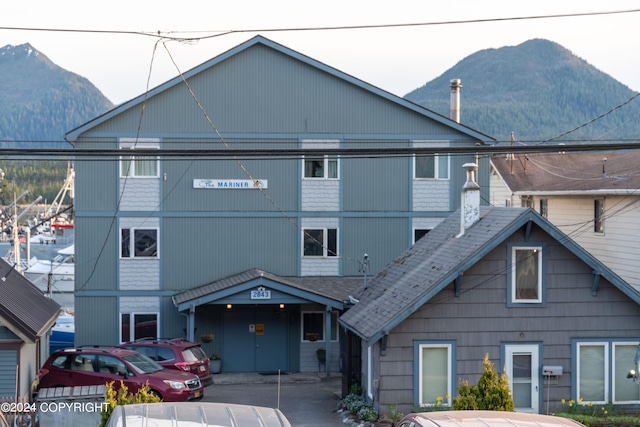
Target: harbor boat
x,y
56,275
63,333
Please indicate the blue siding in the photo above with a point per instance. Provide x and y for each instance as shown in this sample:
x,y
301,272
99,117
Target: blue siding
x,y
97,321
264,91
96,253
201,250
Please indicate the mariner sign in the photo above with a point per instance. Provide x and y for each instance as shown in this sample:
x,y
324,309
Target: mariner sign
x,y
231,184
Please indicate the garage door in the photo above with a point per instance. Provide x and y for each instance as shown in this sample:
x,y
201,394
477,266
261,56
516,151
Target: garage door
x,y
8,363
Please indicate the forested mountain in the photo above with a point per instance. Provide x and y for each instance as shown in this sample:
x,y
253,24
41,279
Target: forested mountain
x,y
538,90
39,103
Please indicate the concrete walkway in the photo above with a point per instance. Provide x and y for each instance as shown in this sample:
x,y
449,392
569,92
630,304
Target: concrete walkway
x,y
283,378
306,399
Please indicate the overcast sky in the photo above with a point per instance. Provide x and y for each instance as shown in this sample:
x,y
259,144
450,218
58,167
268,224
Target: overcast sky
x,y
396,59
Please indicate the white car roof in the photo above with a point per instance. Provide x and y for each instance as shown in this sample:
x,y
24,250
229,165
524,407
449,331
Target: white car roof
x,y
188,414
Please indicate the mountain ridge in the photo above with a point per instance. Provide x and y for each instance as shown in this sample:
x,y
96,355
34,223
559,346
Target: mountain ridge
x,y
537,89
40,101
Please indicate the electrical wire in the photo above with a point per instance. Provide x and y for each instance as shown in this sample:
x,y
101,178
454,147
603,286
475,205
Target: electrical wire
x,y
219,33
126,177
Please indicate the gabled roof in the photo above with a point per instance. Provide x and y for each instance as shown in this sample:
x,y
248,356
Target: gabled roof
x,y
332,291
437,259
23,308
73,135
570,173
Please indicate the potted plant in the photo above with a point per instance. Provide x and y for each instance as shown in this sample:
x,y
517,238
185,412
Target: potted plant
x,y
215,364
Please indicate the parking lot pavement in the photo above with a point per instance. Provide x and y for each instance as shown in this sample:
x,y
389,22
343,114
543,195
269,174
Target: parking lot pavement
x,y
306,399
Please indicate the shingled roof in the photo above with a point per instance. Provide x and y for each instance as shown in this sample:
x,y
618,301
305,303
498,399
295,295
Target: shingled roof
x,y
23,309
562,173
437,259
326,289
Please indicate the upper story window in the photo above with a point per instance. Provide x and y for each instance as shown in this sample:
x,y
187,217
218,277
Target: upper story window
x,y
321,167
526,274
320,242
544,207
598,215
431,166
139,166
138,243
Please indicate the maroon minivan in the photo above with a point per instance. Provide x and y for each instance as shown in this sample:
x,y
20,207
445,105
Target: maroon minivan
x,y
100,365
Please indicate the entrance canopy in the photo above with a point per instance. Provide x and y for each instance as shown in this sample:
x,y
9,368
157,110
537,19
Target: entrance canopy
x,y
260,287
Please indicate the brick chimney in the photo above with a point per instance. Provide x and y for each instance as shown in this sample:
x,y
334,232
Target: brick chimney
x,y
470,206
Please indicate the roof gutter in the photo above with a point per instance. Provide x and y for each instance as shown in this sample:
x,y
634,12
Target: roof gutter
x,y
619,192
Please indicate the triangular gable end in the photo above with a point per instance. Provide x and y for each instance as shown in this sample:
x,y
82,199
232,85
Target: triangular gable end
x,y
74,134
446,278
211,293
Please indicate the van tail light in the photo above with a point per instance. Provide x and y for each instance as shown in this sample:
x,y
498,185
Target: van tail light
x,y
43,372
183,366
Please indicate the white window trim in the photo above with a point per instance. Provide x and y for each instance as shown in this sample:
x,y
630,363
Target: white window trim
x,y
413,233
132,323
614,344
325,238
605,367
436,169
599,217
133,144
325,169
370,372
515,300
132,249
324,323
445,400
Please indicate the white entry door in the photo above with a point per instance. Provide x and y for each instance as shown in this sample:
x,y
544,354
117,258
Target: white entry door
x,y
522,365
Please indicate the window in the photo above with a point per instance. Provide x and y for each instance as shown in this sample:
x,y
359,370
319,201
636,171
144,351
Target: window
x,y
139,243
324,167
138,166
313,326
595,361
435,373
419,233
320,242
598,216
111,365
138,325
434,167
526,274
544,208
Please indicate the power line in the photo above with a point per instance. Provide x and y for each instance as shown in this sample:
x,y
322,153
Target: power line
x,y
219,33
280,153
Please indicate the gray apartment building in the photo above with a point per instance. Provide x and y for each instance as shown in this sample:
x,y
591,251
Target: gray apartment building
x,y
237,202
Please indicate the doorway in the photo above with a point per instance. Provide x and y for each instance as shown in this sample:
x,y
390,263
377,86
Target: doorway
x,y
523,369
255,340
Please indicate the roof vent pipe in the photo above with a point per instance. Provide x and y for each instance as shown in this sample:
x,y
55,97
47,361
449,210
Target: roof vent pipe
x,y
455,100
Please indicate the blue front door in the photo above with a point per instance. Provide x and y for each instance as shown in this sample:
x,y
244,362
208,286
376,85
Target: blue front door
x,y
255,340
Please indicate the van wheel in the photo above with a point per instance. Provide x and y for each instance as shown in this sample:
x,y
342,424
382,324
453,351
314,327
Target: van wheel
x,y
155,394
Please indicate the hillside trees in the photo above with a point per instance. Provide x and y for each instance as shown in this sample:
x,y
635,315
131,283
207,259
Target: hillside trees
x,y
39,177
